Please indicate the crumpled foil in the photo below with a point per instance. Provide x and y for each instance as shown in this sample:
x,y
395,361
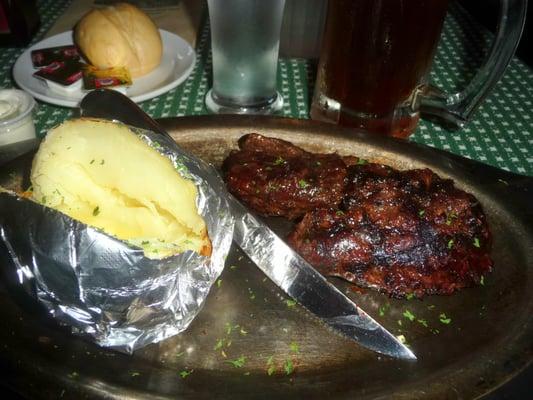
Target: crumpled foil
x,y
104,288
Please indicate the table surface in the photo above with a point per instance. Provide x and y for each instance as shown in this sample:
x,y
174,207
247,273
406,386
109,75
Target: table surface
x,y
500,134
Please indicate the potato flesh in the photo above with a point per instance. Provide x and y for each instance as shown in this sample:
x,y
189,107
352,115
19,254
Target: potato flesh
x,y
103,175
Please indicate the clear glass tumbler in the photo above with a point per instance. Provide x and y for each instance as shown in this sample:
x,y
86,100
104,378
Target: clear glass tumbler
x,y
245,44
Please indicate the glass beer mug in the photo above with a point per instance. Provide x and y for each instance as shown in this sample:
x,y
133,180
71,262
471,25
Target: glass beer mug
x,y
375,62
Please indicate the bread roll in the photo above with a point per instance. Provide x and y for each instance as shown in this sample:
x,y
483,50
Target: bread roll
x,y
120,36
100,173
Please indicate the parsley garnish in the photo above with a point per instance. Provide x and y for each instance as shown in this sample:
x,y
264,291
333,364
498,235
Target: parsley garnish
x,y
482,280
451,216
421,212
92,161
290,303
409,296
238,363
409,315
294,347
302,184
135,373
270,364
444,319
184,374
382,310
423,322
219,283
339,213
362,161
288,366
279,161
450,243
219,344
96,211
476,243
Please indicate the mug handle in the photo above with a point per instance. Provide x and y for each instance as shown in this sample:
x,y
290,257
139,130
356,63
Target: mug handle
x,y
454,110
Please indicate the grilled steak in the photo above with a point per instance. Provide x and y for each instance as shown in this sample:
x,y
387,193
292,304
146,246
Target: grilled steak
x,y
400,232
275,178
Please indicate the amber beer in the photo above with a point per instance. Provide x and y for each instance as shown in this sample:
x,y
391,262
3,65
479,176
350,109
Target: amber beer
x,y
375,60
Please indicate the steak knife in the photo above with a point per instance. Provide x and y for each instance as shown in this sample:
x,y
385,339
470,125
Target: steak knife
x,y
272,255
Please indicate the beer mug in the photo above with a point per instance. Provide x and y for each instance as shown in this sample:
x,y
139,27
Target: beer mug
x,y
375,62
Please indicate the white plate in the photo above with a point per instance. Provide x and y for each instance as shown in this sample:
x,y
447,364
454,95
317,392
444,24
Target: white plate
x,y
176,65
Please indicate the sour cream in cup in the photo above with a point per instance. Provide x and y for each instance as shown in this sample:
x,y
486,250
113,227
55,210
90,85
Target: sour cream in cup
x,y
16,119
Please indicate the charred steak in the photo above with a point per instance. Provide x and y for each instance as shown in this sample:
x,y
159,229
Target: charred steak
x,y
275,178
400,232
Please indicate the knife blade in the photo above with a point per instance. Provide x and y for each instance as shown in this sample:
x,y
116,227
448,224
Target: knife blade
x,y
269,252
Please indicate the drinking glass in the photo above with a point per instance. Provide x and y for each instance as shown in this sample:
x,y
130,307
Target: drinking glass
x,y
245,43
375,62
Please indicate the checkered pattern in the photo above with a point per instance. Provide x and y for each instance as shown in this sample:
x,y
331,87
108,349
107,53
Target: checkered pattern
x,y
501,133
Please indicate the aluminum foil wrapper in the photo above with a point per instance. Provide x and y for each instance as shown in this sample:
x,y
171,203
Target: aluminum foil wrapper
x,y
103,287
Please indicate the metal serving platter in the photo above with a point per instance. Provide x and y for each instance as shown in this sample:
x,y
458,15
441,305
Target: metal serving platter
x,y
249,335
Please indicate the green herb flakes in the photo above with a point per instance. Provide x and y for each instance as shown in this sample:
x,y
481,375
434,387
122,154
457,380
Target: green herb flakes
x,y
383,309
421,212
229,328
96,211
279,161
134,374
238,363
302,184
295,348
288,366
409,315
444,319
92,161
450,243
102,162
290,303
476,243
450,217
185,373
362,161
219,344
423,322
482,280
339,213
270,364
410,296
219,283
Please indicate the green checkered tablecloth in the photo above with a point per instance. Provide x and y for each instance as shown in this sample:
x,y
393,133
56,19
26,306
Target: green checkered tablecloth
x,y
501,134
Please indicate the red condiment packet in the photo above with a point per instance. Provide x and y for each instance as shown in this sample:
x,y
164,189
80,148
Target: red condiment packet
x,y
94,78
63,72
46,56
